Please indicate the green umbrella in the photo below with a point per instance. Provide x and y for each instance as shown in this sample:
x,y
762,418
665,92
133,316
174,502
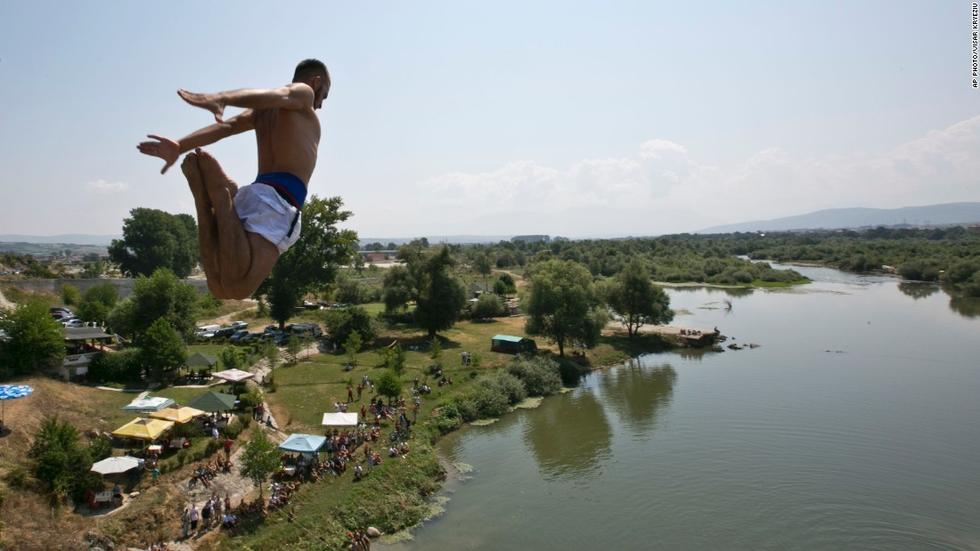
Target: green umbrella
x,y
214,401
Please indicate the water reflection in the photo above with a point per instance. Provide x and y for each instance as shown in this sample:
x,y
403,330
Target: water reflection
x,y
729,291
569,435
965,306
918,290
637,393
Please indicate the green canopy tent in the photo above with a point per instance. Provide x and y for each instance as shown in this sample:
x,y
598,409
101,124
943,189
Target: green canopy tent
x,y
214,401
201,360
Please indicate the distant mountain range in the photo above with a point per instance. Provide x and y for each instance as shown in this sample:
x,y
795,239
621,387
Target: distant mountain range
x,y
831,219
69,238
454,239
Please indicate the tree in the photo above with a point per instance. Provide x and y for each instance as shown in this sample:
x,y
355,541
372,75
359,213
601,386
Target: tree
x,y
487,306
232,358
70,295
504,285
340,324
311,264
155,239
97,302
352,346
396,360
398,288
349,290
260,458
161,295
636,299
124,366
389,384
163,351
435,349
562,303
59,461
484,266
36,340
441,296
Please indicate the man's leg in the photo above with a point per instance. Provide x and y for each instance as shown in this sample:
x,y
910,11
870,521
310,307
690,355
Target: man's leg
x,y
245,259
207,228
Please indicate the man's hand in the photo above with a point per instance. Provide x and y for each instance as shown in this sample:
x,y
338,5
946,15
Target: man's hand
x,y
165,148
209,102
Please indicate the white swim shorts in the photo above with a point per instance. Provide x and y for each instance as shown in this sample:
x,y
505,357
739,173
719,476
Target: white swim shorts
x,y
263,211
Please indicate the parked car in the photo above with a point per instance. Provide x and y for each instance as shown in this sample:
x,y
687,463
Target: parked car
x,y
200,330
305,329
237,337
250,337
73,322
239,325
224,332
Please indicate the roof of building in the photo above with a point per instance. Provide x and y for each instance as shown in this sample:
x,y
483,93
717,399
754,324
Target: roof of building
x,y
85,333
508,338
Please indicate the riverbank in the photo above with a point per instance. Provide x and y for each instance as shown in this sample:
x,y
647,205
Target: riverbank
x,y
395,495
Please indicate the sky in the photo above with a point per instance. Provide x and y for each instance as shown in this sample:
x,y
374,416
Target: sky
x,y
606,118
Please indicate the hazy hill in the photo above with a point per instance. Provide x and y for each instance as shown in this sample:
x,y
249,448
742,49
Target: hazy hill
x,y
930,215
71,238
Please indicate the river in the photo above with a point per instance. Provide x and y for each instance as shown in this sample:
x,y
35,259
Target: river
x,y
855,425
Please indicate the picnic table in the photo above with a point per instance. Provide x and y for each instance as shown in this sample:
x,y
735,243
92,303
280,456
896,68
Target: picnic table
x,y
102,498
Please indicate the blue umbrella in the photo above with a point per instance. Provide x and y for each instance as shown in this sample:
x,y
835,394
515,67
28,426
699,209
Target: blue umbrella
x,y
9,392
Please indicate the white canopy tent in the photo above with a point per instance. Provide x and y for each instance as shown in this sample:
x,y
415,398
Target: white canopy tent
x,y
116,465
147,403
339,420
233,375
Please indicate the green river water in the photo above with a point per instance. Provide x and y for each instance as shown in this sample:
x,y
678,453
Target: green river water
x,y
855,425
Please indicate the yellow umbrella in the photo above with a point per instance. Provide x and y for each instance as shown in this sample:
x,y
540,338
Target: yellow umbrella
x,y
177,415
143,429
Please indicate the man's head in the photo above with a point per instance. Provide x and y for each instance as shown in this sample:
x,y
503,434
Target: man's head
x,y
314,72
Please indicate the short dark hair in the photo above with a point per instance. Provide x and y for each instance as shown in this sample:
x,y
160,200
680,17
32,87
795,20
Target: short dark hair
x,y
310,68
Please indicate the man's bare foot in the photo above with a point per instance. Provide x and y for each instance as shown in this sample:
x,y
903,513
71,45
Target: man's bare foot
x,y
194,180
207,102
213,175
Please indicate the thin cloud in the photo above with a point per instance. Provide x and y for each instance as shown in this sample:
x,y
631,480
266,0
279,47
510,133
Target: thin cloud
x,y
662,187
105,187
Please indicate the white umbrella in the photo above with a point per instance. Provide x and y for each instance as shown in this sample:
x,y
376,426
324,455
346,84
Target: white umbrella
x,y
115,465
339,419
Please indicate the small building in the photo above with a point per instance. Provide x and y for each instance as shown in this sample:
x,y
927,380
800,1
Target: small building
x,y
509,344
371,256
82,345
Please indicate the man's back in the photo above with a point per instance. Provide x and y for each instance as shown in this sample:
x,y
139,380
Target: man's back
x,y
287,141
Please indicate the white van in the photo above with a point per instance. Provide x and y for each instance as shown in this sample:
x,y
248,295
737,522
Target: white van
x,y
201,330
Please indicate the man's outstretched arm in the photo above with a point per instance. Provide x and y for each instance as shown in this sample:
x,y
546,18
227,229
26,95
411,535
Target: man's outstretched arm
x,y
169,150
292,96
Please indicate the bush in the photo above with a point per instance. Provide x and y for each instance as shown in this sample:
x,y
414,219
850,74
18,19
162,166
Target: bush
x,y
489,400
341,323
232,430
539,375
448,418
510,386
250,399
119,367
487,306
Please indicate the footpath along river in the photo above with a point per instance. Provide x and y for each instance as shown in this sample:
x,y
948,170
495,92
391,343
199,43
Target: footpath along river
x,y
855,425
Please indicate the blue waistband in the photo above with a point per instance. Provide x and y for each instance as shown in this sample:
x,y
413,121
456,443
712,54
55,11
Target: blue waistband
x,y
289,187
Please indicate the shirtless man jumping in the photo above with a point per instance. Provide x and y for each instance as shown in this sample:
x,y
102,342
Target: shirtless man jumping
x,y
243,231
